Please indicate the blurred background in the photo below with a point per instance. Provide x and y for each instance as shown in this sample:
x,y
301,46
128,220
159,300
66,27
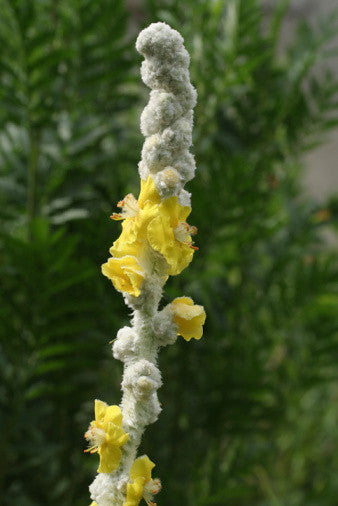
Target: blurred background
x,y
250,412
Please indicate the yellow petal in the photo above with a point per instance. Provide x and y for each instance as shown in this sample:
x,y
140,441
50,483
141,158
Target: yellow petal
x,y
189,330
134,492
149,211
133,238
134,229
127,243
181,260
125,273
185,308
189,318
161,236
113,414
100,410
148,192
171,208
183,300
115,435
142,468
110,456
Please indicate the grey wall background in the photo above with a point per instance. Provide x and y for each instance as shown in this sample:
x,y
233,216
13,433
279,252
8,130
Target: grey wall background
x,y
321,174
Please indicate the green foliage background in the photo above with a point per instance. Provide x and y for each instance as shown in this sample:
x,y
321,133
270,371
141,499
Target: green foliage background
x,y
250,411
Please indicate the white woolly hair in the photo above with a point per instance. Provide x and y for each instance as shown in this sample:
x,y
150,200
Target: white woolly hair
x,y
167,120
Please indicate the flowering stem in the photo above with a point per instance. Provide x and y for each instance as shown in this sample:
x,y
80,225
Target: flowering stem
x,y
155,242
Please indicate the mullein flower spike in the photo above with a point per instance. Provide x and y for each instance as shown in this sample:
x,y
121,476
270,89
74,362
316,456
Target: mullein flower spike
x,y
155,242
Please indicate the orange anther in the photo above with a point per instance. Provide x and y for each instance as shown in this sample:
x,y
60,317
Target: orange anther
x,y
191,245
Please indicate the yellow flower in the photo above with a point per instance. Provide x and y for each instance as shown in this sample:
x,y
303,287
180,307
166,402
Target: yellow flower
x,y
143,485
161,225
125,273
130,206
170,235
188,317
106,436
136,214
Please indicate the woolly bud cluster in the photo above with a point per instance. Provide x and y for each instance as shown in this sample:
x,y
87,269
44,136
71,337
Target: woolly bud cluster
x,y
167,120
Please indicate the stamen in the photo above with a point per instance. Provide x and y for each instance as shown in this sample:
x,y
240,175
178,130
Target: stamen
x,y
129,207
190,244
96,438
183,233
156,486
120,203
92,449
151,488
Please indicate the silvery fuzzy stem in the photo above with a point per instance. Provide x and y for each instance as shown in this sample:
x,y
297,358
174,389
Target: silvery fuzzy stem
x,y
167,124
167,120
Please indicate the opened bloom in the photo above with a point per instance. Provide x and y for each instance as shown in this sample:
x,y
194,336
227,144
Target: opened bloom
x,y
189,318
170,235
143,485
136,215
130,206
125,273
106,436
162,225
